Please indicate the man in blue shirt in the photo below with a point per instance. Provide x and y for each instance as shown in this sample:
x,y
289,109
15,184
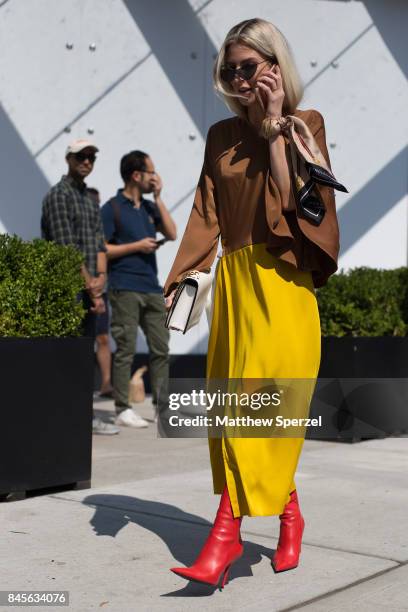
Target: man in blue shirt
x,y
130,224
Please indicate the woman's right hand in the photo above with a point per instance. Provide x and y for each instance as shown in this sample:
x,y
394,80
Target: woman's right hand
x,y
271,86
169,299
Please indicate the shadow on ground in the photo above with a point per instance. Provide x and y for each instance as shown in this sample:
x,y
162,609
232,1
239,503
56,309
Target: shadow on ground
x,y
183,533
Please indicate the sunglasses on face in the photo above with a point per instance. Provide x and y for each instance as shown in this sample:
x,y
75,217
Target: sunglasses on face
x,y
81,157
246,71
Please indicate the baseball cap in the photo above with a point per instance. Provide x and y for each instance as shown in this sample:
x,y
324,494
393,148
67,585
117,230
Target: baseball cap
x,y
77,145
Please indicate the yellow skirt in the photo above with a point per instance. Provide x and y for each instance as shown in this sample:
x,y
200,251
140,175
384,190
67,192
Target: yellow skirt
x,y
265,325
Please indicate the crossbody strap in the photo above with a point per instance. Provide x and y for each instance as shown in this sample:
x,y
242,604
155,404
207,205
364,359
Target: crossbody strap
x,y
116,215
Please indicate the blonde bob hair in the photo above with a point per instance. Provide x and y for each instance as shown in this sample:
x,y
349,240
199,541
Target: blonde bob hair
x,y
268,41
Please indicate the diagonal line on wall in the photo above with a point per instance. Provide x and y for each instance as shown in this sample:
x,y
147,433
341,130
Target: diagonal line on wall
x,y
342,52
94,102
391,24
23,184
189,16
203,6
182,199
182,55
106,92
382,192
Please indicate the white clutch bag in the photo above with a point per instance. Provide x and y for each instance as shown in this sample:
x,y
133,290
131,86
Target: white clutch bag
x,y
189,301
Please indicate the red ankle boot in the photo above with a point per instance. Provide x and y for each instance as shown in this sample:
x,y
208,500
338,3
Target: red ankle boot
x,y
290,536
222,548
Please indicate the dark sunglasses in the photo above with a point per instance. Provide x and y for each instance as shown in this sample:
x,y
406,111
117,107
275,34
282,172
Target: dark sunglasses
x,y
246,71
81,157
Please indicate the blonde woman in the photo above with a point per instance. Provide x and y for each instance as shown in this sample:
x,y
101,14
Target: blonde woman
x,y
265,321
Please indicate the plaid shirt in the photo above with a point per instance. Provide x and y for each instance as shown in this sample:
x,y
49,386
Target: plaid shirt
x,y
71,216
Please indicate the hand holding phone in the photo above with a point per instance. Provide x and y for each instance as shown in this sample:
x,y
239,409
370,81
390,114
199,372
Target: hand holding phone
x,y
161,241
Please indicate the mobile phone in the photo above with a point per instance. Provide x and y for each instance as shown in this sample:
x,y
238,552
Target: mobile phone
x,y
161,241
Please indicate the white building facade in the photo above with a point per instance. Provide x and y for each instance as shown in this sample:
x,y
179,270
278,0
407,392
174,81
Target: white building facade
x,y
136,74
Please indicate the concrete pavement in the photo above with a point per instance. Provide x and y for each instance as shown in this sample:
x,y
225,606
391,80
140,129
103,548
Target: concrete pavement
x,y
150,508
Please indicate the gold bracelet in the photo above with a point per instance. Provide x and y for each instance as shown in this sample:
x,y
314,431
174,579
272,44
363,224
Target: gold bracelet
x,y
273,126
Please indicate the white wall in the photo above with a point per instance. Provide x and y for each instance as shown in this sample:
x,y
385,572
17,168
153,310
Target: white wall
x,y
147,85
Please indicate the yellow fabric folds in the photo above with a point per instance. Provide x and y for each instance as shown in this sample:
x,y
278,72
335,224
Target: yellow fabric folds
x,y
265,325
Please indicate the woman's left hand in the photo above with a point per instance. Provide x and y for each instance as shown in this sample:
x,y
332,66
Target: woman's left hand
x,y
270,84
169,299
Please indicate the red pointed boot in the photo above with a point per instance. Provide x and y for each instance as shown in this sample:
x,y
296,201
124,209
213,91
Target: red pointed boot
x,y
290,536
222,548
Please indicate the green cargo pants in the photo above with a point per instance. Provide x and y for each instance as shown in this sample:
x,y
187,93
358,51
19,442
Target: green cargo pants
x,y
129,310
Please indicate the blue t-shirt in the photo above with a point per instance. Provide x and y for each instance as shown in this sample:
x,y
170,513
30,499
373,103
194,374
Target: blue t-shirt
x,y
137,271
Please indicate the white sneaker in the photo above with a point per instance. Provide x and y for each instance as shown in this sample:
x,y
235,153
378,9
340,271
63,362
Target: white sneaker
x,y
102,428
128,418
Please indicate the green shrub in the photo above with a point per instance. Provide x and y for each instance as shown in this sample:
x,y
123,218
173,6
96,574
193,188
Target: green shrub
x,y
365,302
39,286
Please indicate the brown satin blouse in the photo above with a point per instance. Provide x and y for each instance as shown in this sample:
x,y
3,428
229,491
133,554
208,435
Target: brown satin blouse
x,y
237,199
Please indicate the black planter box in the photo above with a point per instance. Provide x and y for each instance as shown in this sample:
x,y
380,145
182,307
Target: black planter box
x,y
362,390
181,366
46,395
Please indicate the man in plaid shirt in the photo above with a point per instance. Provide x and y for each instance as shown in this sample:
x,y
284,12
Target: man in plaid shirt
x,y
71,216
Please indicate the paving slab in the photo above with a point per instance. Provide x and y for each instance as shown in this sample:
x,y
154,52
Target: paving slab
x,y
361,487
113,549
356,496
389,591
138,453
151,506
